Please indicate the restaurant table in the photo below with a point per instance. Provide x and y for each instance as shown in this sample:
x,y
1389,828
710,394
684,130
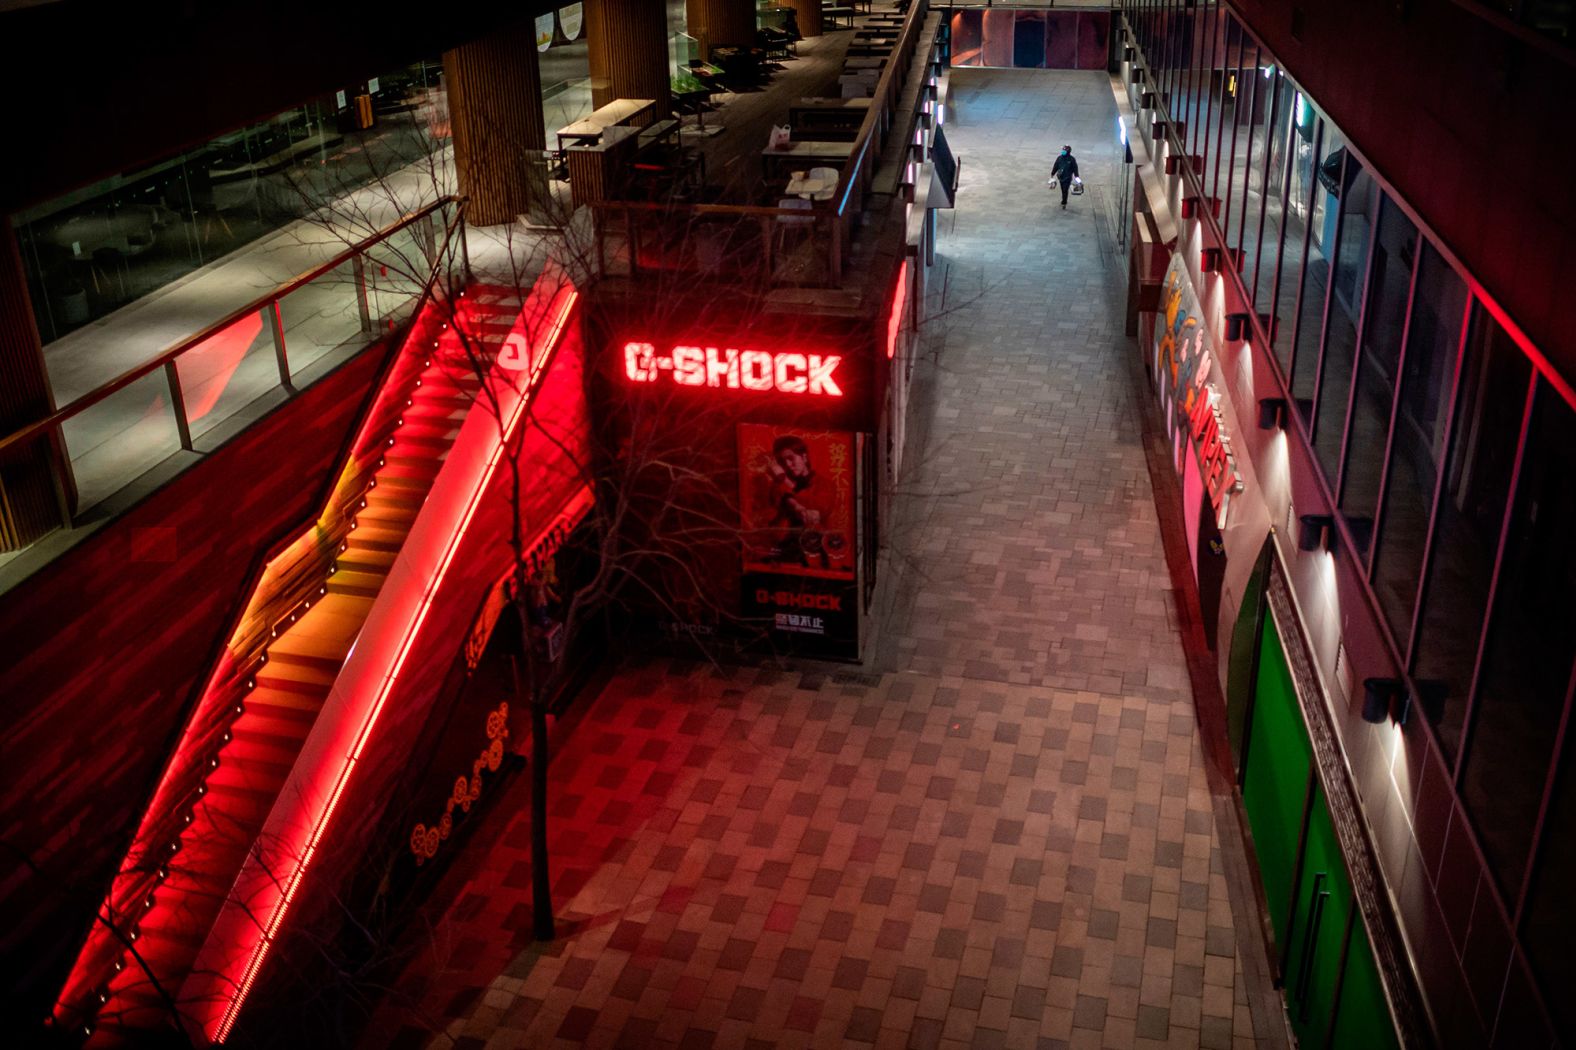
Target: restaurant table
x,y
859,62
589,129
806,154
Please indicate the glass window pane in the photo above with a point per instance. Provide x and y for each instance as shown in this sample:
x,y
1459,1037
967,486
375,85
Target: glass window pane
x,y
1307,136
1274,194
1340,328
1549,929
1328,193
1384,322
1239,140
1418,447
1484,436
1257,132
1531,642
1224,109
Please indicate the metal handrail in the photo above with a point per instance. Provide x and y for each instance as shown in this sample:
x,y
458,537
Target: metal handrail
x,y
884,91
167,357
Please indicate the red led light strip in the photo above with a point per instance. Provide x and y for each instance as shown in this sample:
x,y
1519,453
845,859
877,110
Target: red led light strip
x,y
895,322
369,722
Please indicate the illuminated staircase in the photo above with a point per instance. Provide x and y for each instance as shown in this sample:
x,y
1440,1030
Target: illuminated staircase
x,y
266,733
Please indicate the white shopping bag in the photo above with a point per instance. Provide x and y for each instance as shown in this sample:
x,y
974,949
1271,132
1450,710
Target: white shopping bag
x,y
778,138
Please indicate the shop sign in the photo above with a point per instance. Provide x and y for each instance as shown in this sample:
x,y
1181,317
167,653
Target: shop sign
x,y
730,368
1193,404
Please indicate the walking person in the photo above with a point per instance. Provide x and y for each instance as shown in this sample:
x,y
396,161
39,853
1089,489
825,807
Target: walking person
x,y
1065,170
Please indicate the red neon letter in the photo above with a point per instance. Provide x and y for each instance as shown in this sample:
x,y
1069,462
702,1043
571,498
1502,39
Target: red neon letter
x,y
755,370
689,366
637,362
821,381
796,383
722,367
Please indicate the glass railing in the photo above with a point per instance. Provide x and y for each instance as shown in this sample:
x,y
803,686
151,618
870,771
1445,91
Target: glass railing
x,y
190,398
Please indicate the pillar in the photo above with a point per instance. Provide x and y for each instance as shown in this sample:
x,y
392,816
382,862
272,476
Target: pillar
x,y
33,501
495,110
809,15
627,41
721,23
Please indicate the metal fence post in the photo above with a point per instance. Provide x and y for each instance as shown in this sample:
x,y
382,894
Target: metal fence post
x,y
178,402
358,265
276,324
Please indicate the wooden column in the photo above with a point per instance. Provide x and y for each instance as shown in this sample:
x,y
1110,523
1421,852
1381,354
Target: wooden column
x,y
627,41
495,109
809,15
31,501
721,23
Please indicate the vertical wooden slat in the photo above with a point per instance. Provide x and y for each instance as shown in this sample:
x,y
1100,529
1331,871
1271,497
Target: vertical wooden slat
x,y
809,16
721,23
627,44
495,109
30,502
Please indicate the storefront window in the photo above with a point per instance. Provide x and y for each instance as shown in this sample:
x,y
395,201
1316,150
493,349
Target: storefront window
x,y
1340,329
1329,188
1531,642
1224,111
1384,322
1484,437
1250,139
1239,140
1304,142
93,251
1549,927
1271,238
1418,445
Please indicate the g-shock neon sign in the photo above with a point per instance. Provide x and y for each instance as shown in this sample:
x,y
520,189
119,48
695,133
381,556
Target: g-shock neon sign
x,y
733,369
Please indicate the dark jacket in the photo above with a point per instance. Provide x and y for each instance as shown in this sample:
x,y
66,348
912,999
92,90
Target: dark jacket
x,y
1065,167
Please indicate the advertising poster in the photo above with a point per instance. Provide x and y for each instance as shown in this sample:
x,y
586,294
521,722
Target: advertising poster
x,y
799,516
797,500
1200,437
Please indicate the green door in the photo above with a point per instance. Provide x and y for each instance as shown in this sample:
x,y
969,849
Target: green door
x,y
1362,1017
1275,783
1320,916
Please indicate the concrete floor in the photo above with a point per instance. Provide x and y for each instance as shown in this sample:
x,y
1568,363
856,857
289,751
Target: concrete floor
x,y
1000,832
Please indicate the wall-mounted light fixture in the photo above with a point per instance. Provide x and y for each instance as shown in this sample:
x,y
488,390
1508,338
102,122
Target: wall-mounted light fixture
x,y
1129,53
1316,532
1190,209
1146,100
1362,529
1157,131
1385,698
1272,413
1173,163
1236,327
1136,75
1209,259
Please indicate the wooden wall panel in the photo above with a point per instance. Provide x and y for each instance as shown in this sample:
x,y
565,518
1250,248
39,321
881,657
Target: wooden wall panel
x,y
809,15
721,23
495,108
103,650
627,43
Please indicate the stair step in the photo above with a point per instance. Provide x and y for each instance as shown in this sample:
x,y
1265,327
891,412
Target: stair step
x,y
365,559
364,584
235,808
383,538
283,676
264,778
264,747
401,478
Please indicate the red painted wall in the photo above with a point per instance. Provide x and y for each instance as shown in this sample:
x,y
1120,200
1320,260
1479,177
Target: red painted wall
x,y
103,649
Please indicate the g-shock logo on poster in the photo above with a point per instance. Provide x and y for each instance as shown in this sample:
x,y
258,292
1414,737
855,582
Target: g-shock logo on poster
x,y
734,369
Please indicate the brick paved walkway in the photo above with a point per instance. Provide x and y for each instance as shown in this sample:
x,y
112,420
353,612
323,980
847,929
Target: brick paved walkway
x,y
1003,839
